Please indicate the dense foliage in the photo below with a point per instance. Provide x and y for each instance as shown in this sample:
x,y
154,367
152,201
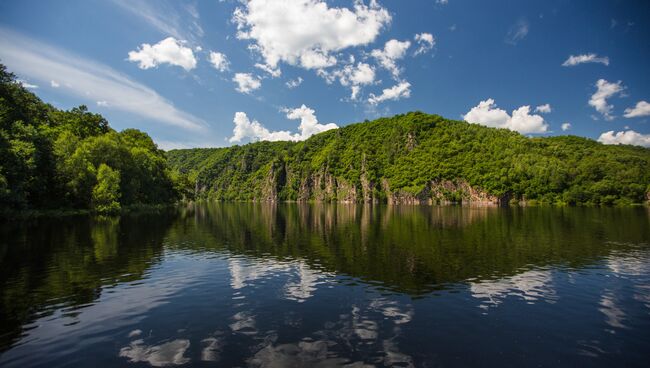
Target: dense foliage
x,y
405,154
51,158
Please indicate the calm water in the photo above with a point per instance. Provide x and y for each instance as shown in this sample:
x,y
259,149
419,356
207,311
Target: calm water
x,y
324,285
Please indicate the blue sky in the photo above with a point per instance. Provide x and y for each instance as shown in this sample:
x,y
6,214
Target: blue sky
x,y
215,73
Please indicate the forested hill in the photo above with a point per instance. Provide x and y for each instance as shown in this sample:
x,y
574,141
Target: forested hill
x,y
55,159
420,158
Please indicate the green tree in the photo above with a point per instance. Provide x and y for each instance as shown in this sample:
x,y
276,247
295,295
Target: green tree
x,y
106,193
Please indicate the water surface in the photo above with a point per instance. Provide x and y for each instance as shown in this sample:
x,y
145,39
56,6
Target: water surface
x,y
282,285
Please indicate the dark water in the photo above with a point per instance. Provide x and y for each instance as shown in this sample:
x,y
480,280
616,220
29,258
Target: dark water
x,y
325,285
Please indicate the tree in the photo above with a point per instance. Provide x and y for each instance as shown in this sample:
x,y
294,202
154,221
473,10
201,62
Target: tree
x,y
106,193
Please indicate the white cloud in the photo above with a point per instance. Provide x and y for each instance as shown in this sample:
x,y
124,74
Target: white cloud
x,y
246,82
396,92
352,76
316,60
171,18
544,109
574,60
642,108
626,137
393,50
425,42
517,32
293,83
308,123
219,61
306,32
89,80
604,91
102,103
273,72
354,92
566,126
26,84
254,131
486,113
168,51
442,2
54,84
361,74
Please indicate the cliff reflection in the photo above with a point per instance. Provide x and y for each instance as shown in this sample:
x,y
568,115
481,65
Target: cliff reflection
x,y
411,249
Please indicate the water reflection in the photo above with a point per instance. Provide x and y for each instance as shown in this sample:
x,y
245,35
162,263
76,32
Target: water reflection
x,y
613,313
49,266
530,286
359,330
306,284
413,249
169,353
268,285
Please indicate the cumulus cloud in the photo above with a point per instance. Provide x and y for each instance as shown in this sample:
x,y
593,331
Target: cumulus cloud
x,y
605,90
566,126
625,137
425,42
396,92
219,61
487,113
168,51
359,75
517,32
393,51
246,82
54,84
574,60
544,109
306,32
254,131
89,80
353,76
273,72
642,108
308,123
293,83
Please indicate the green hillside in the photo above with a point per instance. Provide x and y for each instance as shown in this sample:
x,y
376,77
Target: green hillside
x,y
421,158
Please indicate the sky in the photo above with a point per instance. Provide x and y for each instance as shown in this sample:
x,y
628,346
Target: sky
x,y
215,73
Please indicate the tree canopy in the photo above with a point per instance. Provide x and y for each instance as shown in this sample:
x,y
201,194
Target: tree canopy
x,y
54,159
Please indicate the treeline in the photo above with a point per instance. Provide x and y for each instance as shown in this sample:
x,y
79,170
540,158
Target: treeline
x,y
411,155
54,159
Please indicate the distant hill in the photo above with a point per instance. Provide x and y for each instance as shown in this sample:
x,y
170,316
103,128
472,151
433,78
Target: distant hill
x,y
421,158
